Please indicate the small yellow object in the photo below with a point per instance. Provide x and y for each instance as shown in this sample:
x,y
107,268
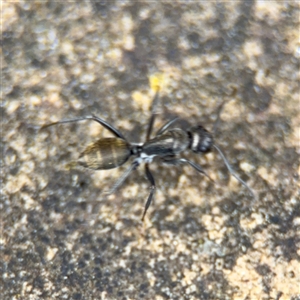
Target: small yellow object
x,y
157,81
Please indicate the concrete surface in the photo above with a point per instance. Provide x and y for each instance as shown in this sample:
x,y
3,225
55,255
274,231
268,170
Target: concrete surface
x,y
62,238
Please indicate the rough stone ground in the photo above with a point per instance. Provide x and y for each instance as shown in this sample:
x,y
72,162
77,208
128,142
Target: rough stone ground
x,y
62,239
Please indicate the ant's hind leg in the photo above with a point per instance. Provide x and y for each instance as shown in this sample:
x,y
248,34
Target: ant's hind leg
x,y
121,180
109,127
152,189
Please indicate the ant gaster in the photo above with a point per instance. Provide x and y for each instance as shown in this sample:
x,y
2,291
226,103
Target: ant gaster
x,y
167,144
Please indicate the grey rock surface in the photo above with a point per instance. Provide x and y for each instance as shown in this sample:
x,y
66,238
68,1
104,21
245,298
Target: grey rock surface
x,y
62,238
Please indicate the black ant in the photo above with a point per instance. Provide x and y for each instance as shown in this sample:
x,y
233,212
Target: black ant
x,y
167,144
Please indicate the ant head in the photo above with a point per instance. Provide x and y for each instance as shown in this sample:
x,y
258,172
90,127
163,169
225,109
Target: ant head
x,y
200,139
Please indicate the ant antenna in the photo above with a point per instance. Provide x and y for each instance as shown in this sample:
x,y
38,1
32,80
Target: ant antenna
x,y
217,122
233,173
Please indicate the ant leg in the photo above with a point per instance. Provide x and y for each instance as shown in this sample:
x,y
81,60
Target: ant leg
x,y
152,189
233,173
121,180
153,115
166,126
176,161
109,127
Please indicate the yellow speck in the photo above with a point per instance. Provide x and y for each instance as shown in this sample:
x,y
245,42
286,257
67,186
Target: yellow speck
x,y
157,81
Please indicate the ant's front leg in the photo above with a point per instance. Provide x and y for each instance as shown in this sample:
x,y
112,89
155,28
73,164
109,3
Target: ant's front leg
x,y
153,115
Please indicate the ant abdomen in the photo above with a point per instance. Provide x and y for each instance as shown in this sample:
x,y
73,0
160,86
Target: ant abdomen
x,y
200,139
106,153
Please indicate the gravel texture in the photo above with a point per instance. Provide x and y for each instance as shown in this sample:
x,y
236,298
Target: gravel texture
x,y
62,238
